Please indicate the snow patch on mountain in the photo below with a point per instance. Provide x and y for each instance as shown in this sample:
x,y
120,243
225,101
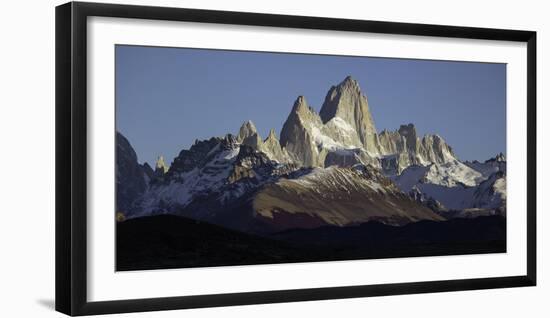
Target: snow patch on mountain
x,y
455,185
452,173
182,187
449,174
338,196
489,167
456,198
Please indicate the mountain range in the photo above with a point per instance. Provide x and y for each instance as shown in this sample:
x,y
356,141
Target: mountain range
x,y
330,168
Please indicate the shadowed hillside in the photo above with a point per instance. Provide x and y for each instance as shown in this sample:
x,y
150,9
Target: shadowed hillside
x,y
174,242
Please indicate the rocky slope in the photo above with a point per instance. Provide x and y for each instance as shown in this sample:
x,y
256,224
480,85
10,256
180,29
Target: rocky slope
x,y
131,179
337,196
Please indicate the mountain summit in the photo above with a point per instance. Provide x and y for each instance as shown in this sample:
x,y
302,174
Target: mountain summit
x,y
346,101
248,129
344,131
297,134
160,165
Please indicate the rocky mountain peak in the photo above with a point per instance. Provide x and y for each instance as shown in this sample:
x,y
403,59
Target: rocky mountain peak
x,y
160,165
409,133
350,83
301,114
254,141
341,100
229,141
273,149
201,152
348,103
302,109
407,130
296,134
271,136
248,135
247,129
498,158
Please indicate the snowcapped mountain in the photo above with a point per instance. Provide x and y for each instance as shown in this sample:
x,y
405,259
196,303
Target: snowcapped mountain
x,y
448,174
489,167
457,186
327,168
226,182
337,196
204,167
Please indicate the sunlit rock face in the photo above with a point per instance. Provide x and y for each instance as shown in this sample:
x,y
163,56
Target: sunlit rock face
x,y
298,134
247,130
345,127
346,101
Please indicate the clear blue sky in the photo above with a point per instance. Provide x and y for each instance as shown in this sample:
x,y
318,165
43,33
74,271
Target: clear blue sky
x,y
168,97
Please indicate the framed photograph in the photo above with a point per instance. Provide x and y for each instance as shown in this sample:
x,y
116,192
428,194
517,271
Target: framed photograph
x,y
209,158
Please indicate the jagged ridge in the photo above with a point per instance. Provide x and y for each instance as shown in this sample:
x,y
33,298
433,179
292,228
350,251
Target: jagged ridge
x,y
345,128
327,168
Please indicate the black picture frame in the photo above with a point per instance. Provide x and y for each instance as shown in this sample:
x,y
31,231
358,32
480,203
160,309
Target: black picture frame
x,y
71,157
